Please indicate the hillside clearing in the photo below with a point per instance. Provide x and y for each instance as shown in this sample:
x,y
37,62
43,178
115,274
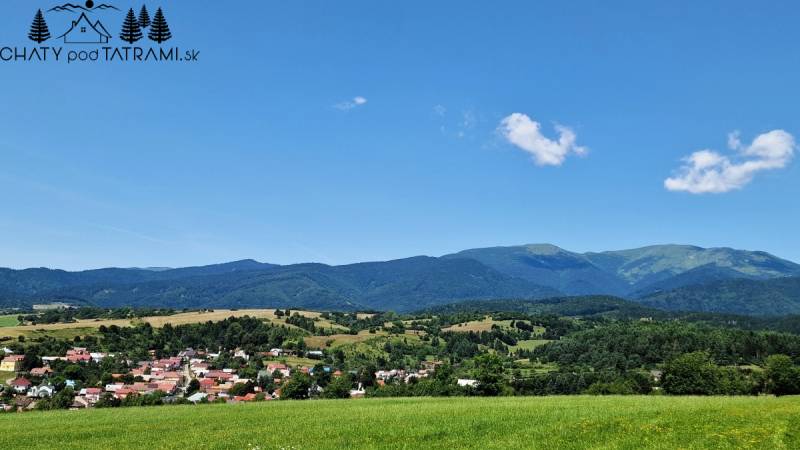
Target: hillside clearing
x,y
467,423
485,325
338,340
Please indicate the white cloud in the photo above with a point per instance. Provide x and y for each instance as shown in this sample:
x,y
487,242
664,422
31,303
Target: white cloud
x,y
709,172
350,104
440,110
525,133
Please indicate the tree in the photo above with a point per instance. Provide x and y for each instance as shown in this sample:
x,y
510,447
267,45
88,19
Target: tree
x,y
193,386
130,28
297,387
144,17
691,374
241,389
39,31
107,400
159,29
782,377
489,374
338,388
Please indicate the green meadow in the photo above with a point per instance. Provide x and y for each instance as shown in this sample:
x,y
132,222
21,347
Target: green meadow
x,y
443,423
8,321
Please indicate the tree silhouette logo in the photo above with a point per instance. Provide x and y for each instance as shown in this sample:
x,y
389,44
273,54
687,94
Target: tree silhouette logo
x,y
131,30
159,29
144,17
39,31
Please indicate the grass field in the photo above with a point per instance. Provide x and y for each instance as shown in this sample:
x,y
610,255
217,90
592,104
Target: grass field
x,y
529,345
465,423
8,321
338,340
5,376
85,327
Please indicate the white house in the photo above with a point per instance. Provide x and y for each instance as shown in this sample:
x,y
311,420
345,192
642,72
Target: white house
x,y
41,391
197,397
463,382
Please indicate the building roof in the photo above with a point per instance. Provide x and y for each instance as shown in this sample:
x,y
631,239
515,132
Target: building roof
x,y
21,382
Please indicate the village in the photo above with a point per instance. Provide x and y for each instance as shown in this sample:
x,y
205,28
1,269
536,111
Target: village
x,y
190,377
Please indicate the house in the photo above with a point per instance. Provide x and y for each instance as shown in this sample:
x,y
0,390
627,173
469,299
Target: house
x,y
79,403
167,388
77,355
114,387
20,385
315,354
189,353
241,354
206,383
83,31
41,371
467,382
97,357
11,363
42,391
197,397
245,398
124,392
92,395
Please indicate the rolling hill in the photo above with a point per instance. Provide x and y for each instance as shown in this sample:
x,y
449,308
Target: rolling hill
x,y
667,276
629,273
775,297
400,285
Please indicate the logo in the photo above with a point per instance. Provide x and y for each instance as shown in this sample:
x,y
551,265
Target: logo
x,y
87,33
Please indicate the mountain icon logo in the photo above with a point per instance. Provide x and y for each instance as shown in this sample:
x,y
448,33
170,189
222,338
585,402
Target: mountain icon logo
x,y
83,31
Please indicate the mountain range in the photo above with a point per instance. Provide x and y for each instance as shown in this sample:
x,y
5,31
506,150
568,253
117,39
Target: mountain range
x,y
668,277
71,7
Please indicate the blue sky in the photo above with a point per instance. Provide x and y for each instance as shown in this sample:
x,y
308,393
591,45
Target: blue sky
x,y
261,150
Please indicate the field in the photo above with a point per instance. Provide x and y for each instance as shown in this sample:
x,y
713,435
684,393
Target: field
x,y
485,325
8,321
85,327
529,345
464,423
338,340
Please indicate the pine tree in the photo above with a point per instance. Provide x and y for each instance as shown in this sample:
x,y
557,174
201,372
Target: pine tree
x,y
39,31
144,17
159,30
130,28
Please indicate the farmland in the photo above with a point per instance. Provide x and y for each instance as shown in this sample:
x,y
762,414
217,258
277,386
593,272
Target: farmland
x,y
86,327
472,423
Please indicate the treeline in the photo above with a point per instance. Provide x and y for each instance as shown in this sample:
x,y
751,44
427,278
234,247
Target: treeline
x,y
249,334
624,346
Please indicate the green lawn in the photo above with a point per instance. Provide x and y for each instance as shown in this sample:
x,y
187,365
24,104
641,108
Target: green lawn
x,y
9,321
464,423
